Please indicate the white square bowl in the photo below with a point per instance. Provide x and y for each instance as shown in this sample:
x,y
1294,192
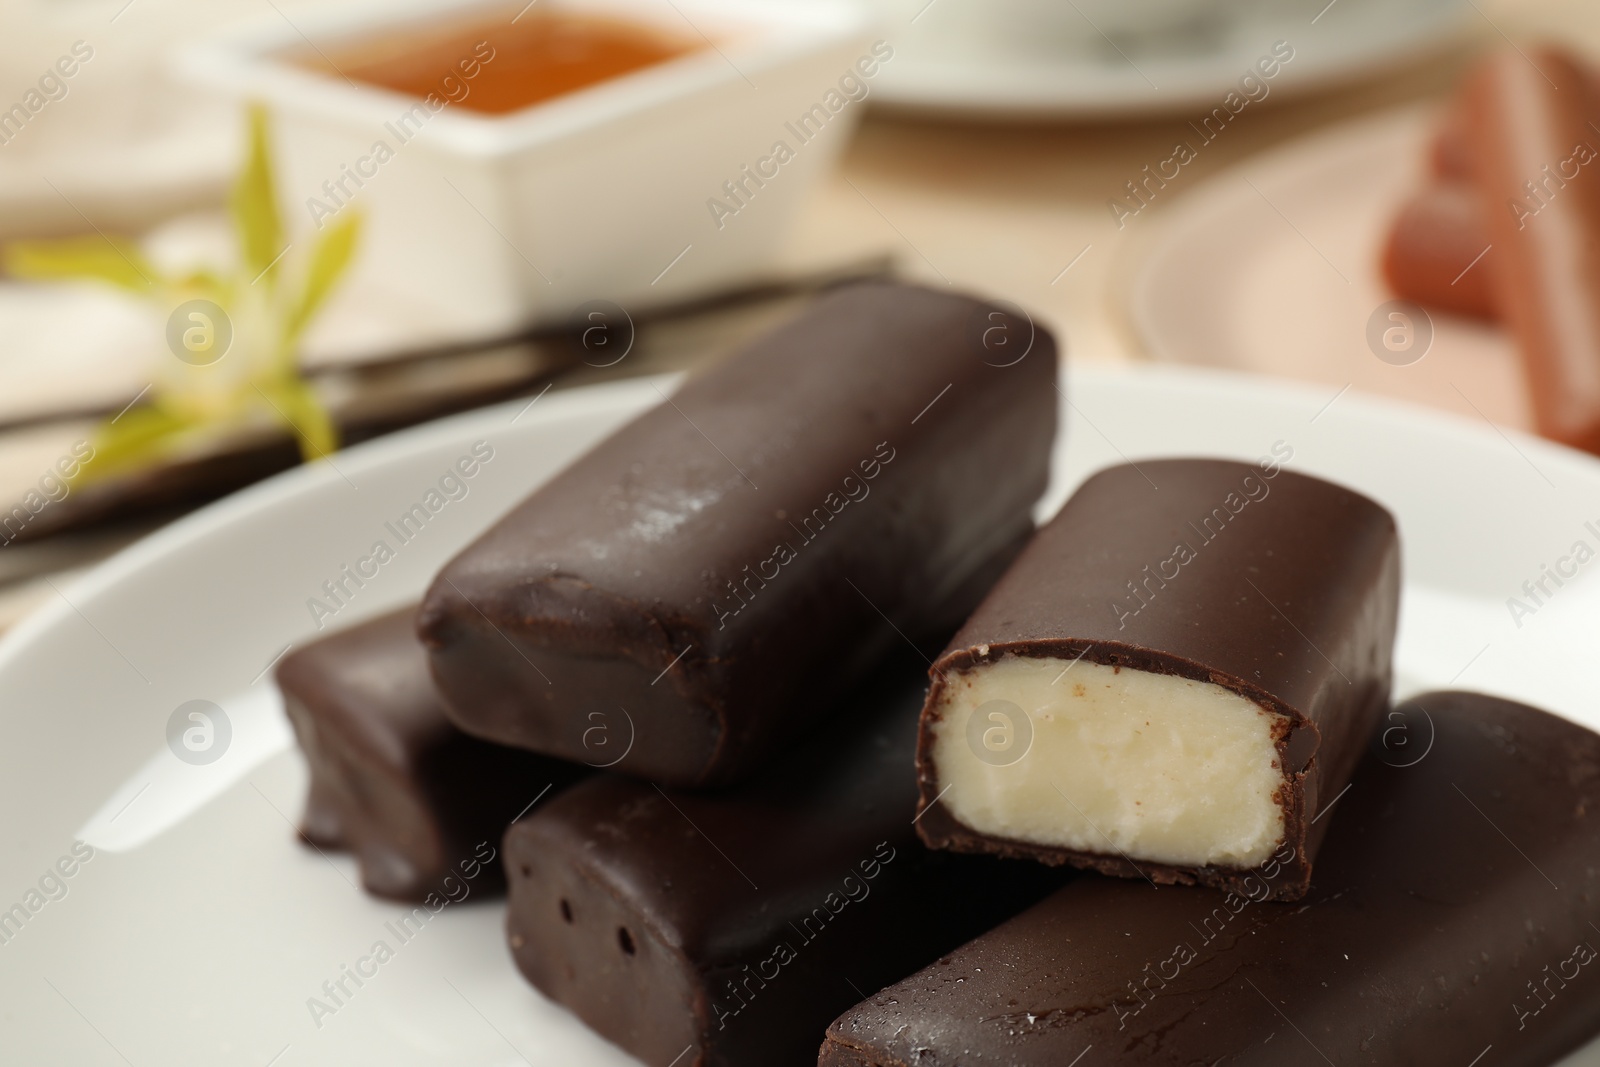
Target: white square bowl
x,y
482,224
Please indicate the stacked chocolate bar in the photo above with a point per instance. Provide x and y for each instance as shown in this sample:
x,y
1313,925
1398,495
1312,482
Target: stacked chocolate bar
x,y
704,649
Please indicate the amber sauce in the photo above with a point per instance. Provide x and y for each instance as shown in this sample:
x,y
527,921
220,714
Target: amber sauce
x,y
496,66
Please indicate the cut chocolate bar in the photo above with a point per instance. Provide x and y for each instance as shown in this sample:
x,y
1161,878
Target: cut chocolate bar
x,y
712,930
1171,679
693,589
392,779
1451,913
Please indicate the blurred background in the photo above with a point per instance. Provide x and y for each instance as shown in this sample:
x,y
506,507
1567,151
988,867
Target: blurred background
x,y
242,234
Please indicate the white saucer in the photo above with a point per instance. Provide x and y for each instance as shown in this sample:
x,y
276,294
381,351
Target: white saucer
x,y
1272,267
949,62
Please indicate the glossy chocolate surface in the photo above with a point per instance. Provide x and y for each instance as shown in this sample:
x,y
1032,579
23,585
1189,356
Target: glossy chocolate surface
x,y
1290,600
728,928
1452,911
694,589
392,779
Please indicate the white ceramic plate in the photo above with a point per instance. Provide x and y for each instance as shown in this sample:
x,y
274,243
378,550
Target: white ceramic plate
x,y
199,929
979,59
1273,267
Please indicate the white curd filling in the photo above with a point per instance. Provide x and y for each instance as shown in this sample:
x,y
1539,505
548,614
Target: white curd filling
x,y
1110,760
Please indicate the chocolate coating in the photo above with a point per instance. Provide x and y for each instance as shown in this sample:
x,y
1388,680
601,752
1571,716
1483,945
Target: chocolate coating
x,y
701,582
1537,166
1435,253
1451,911
392,779
1290,600
737,924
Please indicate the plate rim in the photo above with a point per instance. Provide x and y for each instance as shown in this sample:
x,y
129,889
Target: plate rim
x,y
307,477
207,520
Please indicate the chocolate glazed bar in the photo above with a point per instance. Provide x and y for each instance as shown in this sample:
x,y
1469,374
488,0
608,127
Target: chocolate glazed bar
x,y
693,589
1171,680
1452,912
392,780
727,929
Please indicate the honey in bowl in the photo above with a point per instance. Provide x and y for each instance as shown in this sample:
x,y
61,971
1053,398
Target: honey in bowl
x,y
506,63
